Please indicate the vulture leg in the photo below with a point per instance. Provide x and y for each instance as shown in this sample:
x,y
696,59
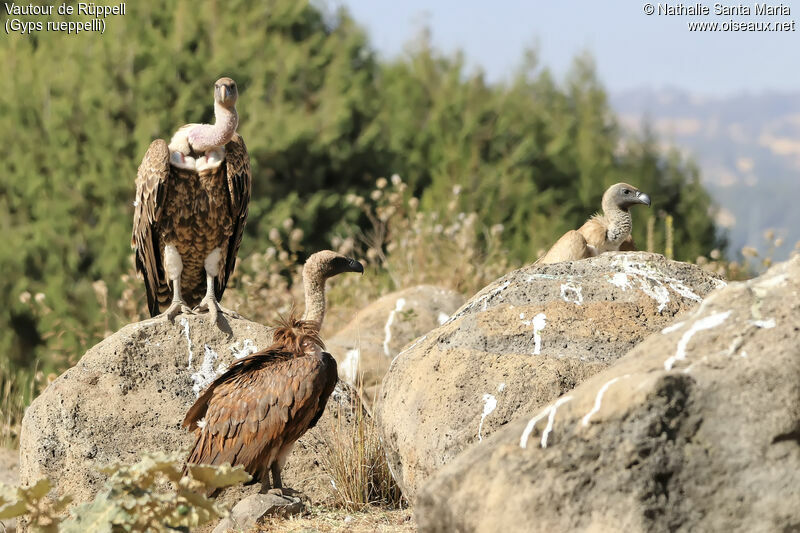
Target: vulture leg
x,y
174,269
209,302
277,484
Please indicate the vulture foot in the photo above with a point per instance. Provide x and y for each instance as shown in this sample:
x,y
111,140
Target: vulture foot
x,y
176,308
276,492
210,305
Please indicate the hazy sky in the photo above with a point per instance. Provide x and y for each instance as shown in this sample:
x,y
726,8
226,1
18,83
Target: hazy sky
x,y
631,49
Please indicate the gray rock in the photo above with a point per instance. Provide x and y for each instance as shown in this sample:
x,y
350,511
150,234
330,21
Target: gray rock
x,y
696,429
519,343
365,346
128,395
246,514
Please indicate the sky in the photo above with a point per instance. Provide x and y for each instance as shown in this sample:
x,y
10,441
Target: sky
x,y
632,50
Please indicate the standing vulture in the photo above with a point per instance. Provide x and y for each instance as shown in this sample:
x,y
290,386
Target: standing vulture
x,y
190,211
253,413
608,232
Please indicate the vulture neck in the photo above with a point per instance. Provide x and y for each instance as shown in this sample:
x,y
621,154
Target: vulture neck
x,y
205,137
314,287
618,224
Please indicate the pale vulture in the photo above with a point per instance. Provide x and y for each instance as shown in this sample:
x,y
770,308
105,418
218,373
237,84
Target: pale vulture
x,y
608,232
190,211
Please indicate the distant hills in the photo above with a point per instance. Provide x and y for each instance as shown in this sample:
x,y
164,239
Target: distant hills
x,y
748,147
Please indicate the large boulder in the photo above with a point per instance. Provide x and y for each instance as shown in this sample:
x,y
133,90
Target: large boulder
x,y
365,347
128,395
521,342
696,429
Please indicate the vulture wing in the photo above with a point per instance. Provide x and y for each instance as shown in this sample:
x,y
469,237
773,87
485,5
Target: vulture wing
x,y
570,247
237,167
594,231
151,179
263,402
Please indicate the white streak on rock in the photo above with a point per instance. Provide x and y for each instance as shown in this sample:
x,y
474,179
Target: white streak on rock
x,y
654,283
538,322
483,299
350,365
442,318
550,411
501,387
489,405
708,322
765,324
620,279
674,327
398,306
248,347
570,287
206,373
599,398
185,324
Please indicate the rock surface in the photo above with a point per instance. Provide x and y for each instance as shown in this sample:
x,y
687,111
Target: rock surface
x,y
696,429
365,347
246,514
129,394
519,343
9,475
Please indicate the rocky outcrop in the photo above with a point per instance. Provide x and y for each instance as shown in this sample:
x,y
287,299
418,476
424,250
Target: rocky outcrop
x,y
246,514
696,429
521,342
365,347
129,395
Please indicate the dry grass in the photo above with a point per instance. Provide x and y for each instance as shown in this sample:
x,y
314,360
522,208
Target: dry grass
x,y
356,463
328,520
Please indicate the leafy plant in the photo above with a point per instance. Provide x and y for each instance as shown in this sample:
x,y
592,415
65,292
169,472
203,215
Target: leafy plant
x,y
135,498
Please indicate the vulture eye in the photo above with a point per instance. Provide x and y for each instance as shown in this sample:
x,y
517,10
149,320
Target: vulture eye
x,y
625,191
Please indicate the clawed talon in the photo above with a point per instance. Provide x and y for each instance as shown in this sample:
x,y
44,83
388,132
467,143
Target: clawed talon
x,y
211,306
276,492
176,308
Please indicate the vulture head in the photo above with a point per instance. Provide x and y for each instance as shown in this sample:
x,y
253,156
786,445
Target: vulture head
x,y
623,196
327,263
225,92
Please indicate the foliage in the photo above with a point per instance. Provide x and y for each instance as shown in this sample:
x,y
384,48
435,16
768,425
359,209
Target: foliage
x,y
323,118
134,498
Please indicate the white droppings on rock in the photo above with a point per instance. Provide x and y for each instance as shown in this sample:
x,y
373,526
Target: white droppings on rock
x,y
674,327
570,288
653,282
599,398
501,387
398,306
483,299
206,374
550,412
538,322
620,279
442,318
350,365
764,324
185,324
489,405
247,347
708,322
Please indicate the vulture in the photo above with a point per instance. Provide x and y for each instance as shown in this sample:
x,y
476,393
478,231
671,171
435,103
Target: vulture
x,y
608,232
190,211
253,413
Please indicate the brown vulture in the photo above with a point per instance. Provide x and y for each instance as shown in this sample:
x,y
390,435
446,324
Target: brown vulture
x,y
190,211
253,413
608,232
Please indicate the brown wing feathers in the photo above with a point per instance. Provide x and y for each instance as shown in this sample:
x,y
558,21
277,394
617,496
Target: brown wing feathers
x,y
263,402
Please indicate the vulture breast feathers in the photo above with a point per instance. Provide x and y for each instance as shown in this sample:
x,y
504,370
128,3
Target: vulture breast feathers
x,y
256,410
195,210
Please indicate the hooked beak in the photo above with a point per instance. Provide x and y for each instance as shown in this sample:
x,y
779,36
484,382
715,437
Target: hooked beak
x,y
355,266
642,198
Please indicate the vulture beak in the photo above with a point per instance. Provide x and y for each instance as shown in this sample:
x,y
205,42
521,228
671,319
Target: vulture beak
x,y
355,266
642,198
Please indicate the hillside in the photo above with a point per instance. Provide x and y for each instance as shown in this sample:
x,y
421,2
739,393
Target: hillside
x,y
748,147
